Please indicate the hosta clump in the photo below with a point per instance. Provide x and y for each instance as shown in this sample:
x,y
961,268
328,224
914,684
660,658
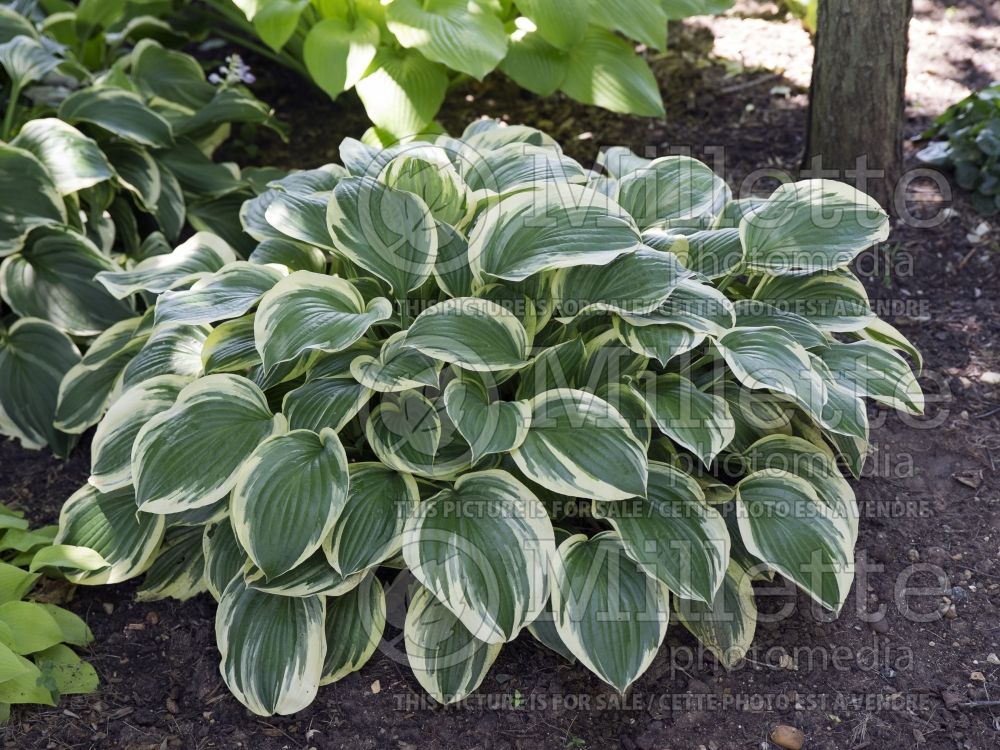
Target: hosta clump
x,y
550,399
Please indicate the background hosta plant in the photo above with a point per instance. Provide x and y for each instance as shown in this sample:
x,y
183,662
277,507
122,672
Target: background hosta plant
x,y
401,55
552,400
99,169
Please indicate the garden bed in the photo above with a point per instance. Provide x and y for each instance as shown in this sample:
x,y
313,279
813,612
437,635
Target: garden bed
x,y
930,495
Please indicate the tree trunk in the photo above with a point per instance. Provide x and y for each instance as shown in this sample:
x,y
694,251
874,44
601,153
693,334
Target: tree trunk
x,y
857,101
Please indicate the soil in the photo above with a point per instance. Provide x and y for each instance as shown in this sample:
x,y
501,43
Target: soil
x,y
930,498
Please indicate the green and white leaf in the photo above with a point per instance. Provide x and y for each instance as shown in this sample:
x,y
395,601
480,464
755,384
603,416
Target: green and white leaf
x,y
699,421
354,624
726,625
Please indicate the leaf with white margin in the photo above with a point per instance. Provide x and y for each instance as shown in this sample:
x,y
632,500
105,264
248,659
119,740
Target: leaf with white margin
x,y
783,522
579,445
712,252
288,495
405,431
811,225
354,624
560,226
726,625
448,662
872,369
671,189
473,333
313,577
451,267
771,359
228,293
324,403
428,173
173,349
29,198
636,284
483,549
222,416
672,533
699,421
230,347
272,648
388,232
518,166
225,559
202,252
301,217
487,426
178,572
75,161
700,307
369,529
397,367
844,413
307,312
554,367
122,112
486,135
109,524
609,613
885,333
659,342
292,255
834,301
111,449
756,314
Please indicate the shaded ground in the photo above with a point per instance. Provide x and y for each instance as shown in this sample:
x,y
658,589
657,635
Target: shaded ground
x,y
930,501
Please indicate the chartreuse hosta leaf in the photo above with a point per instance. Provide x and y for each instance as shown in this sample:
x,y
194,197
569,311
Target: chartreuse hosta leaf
x,y
338,51
397,368
698,421
672,189
355,621
225,416
288,495
228,293
604,70
307,312
272,647
560,226
673,535
813,225
447,660
727,623
488,426
580,445
483,549
784,523
369,529
609,613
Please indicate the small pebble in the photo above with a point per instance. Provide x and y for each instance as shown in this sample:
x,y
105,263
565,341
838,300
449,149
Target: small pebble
x,y
913,556
787,737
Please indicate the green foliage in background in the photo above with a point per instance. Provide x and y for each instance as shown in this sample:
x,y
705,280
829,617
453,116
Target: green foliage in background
x,y
400,56
37,664
98,168
967,140
538,393
804,9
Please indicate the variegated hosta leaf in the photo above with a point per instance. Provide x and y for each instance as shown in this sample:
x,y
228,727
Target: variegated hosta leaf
x,y
301,217
783,522
75,161
555,367
518,166
579,445
179,569
483,549
397,368
885,333
230,347
812,225
307,312
473,333
355,621
835,301
225,559
488,426
636,283
429,174
694,305
609,613
699,421
272,648
712,252
756,314
659,342
30,198
405,432
726,625
448,662
313,577
673,534
203,252
324,403
109,524
369,529
672,189
844,413
228,293
222,416
111,449
387,232
172,349
288,495
874,370
294,256
451,268
560,226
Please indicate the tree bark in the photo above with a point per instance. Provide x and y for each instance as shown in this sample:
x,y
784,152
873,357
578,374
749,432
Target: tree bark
x,y
857,102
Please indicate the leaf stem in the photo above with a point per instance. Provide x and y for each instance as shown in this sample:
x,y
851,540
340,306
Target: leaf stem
x,y
8,116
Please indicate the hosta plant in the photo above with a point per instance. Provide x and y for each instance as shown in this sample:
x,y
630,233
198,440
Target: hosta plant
x,y
98,170
402,55
556,400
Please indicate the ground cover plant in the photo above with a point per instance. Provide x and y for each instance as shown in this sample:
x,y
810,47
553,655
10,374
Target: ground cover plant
x,y
99,166
563,401
966,139
401,56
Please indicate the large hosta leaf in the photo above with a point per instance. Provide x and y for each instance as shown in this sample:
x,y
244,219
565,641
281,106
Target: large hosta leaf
x,y
324,403
672,189
534,64
354,624
222,416
120,112
397,367
610,614
169,350
287,497
483,549
604,70
337,52
178,572
699,421
488,426
306,312
228,293
272,648
28,197
872,369
725,625
642,20
834,301
403,91
225,559
74,160
560,22
673,534
579,445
